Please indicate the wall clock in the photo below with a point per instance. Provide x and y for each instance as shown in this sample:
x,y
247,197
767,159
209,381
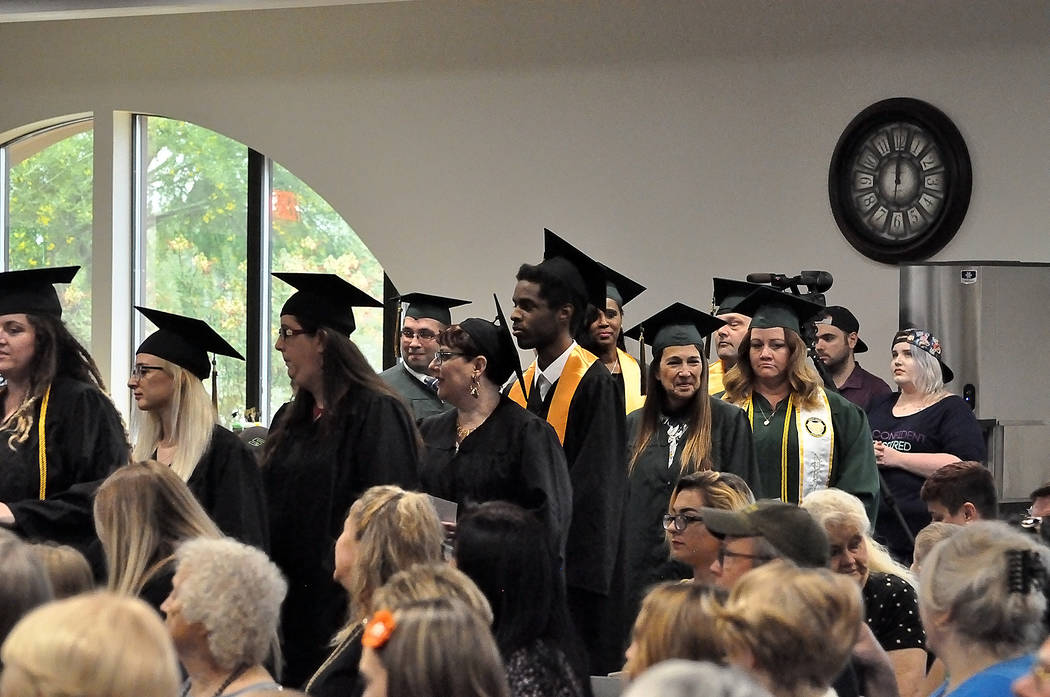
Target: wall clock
x,y
900,181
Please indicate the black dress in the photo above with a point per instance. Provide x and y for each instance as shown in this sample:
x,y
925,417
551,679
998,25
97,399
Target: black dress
x,y
513,456
228,484
339,675
85,441
652,482
314,475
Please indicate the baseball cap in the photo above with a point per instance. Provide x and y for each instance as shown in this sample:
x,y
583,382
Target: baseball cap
x,y
792,530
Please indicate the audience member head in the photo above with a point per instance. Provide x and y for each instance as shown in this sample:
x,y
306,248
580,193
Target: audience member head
x,y
690,541
792,628
764,531
387,529
142,511
1040,502
68,570
983,587
925,541
431,581
233,593
431,648
91,645
961,493
852,550
505,550
916,362
23,581
676,620
680,678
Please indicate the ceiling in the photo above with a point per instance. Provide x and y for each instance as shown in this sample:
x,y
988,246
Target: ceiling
x,y
37,10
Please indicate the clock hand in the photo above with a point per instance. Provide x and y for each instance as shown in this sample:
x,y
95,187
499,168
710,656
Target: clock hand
x,y
897,179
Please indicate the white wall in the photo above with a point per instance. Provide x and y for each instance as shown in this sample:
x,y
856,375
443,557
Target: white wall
x,y
674,140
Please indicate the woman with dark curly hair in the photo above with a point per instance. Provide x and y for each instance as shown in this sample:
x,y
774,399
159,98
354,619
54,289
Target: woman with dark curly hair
x,y
60,434
489,448
343,432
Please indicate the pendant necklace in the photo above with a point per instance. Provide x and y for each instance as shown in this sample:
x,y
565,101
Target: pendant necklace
x,y
767,417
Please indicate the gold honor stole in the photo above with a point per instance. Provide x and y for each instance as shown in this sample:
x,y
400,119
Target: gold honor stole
x,y
816,445
715,374
579,362
632,382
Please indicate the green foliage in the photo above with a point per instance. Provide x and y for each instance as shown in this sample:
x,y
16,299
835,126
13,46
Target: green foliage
x,y
49,220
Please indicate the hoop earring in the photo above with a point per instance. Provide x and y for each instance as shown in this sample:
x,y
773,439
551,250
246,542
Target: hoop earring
x,y
475,386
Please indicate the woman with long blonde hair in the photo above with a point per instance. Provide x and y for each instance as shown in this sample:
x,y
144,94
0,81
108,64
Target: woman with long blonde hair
x,y
177,425
387,530
678,431
806,438
142,512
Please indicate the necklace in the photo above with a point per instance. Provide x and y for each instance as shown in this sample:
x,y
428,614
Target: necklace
x,y
463,431
237,672
766,418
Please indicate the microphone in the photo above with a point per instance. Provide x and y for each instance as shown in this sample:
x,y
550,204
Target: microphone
x,y
772,278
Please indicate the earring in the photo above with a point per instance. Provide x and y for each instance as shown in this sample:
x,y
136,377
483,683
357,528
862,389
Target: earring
x,y
475,385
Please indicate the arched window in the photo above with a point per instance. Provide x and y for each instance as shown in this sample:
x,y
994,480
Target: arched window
x,y
46,202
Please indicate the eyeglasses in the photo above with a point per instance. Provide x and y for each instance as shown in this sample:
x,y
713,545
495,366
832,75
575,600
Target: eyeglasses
x,y
680,521
723,553
139,371
442,356
423,334
284,332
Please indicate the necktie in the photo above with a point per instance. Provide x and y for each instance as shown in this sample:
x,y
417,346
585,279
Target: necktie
x,y
431,383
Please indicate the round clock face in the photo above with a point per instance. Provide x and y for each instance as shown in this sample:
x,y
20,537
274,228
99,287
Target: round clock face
x,y
900,181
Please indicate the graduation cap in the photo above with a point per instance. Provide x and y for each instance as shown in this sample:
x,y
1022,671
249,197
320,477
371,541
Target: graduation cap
x,y
584,275
32,291
728,294
426,306
620,288
769,308
325,298
184,341
496,344
675,325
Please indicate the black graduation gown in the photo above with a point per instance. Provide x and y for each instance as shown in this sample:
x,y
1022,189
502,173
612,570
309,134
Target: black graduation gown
x,y
652,482
228,483
423,400
513,456
312,478
85,442
594,448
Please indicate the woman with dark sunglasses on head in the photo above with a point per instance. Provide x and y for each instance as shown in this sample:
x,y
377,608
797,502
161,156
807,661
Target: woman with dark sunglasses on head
x,y
344,431
489,448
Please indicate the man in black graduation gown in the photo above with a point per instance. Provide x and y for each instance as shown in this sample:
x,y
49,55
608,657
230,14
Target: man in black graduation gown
x,y
577,395
425,318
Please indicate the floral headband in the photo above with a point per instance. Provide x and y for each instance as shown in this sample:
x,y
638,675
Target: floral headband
x,y
378,630
928,343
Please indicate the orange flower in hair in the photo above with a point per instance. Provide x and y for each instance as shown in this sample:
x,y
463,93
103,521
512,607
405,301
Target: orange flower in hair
x,y
378,629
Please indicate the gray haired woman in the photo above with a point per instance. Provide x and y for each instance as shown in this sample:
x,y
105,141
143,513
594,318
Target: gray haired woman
x,y
222,614
981,597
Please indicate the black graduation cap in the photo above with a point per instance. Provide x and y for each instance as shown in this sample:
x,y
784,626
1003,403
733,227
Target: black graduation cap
x,y
325,298
496,344
728,294
620,288
580,272
426,306
675,325
184,341
32,291
769,308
